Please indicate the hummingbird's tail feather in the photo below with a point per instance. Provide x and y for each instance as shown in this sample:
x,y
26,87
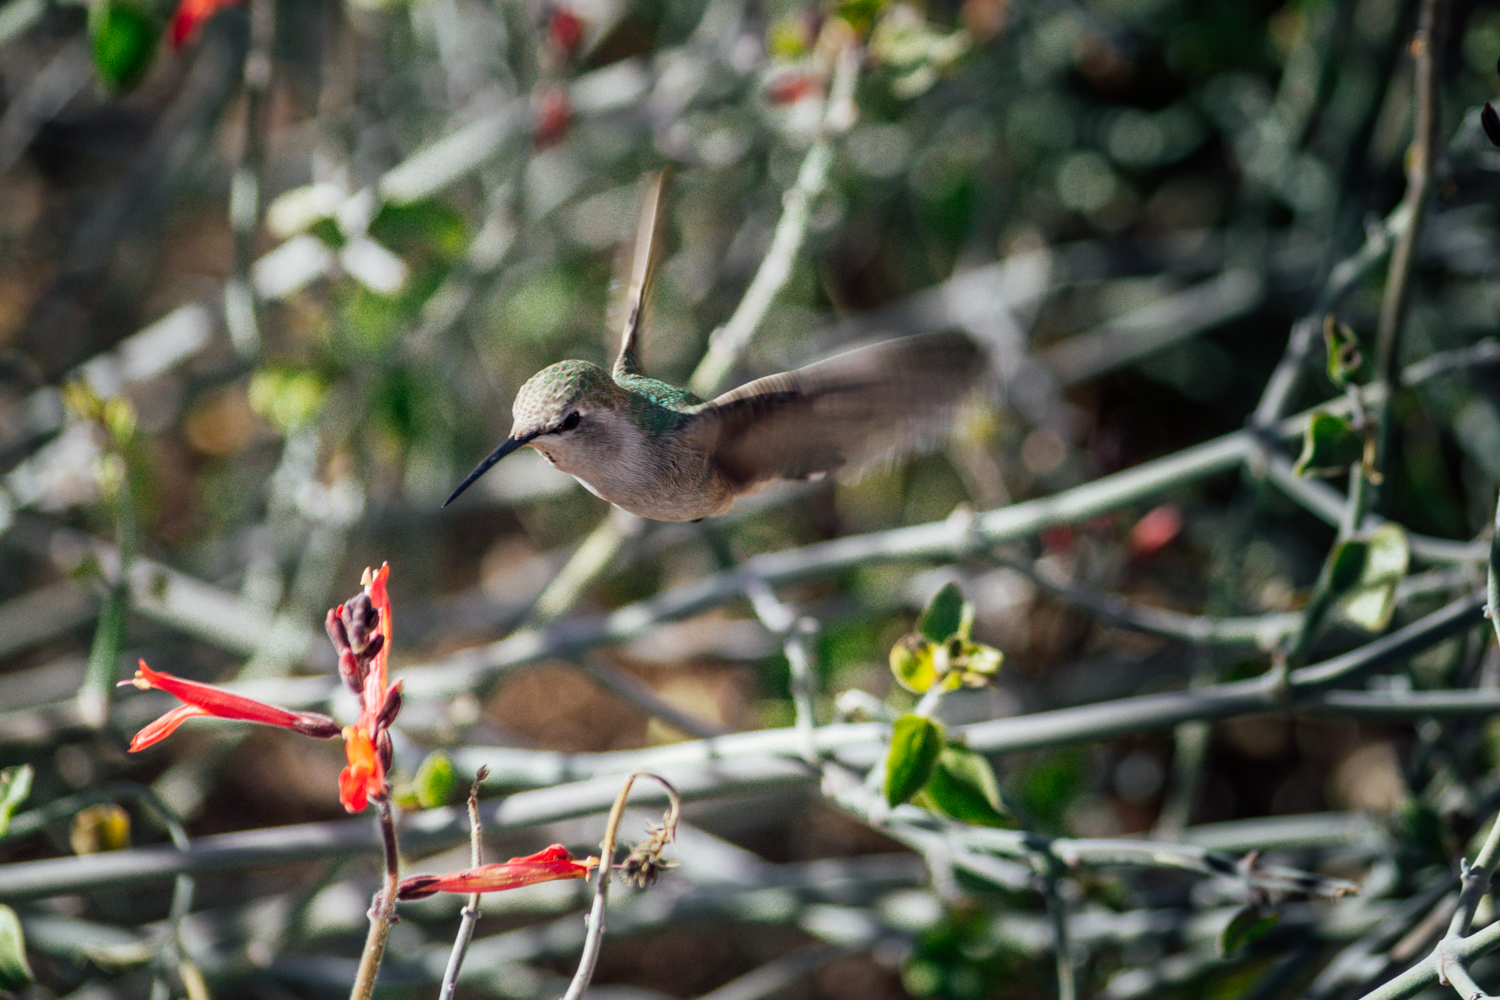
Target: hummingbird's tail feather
x,y
847,413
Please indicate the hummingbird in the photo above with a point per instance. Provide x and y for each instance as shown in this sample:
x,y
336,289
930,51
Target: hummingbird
x,y
661,452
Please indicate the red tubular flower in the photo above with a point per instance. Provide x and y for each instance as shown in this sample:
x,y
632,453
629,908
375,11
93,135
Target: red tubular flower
x,y
546,865
205,699
366,744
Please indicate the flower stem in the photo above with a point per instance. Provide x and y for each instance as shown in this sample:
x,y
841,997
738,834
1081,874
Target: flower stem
x,y
382,911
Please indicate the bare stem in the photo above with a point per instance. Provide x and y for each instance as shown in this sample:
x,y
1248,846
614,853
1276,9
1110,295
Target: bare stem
x,y
1067,987
240,306
470,911
796,634
382,910
1420,162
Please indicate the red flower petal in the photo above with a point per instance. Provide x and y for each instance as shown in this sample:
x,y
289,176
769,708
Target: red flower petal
x,y
163,727
374,584
363,778
205,699
546,865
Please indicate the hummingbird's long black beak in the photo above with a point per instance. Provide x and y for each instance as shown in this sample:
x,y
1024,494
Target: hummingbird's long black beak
x,y
507,446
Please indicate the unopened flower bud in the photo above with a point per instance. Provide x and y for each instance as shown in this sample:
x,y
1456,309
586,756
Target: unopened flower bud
x,y
360,619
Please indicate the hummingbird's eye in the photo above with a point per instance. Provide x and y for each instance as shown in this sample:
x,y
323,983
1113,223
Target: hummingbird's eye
x,y
570,421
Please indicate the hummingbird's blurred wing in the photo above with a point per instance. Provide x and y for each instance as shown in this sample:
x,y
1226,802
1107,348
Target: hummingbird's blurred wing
x,y
845,413
644,251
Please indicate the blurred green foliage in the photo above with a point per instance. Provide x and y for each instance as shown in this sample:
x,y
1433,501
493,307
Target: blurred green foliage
x,y
457,181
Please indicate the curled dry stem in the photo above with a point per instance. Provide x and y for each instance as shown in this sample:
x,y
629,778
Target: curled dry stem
x,y
646,866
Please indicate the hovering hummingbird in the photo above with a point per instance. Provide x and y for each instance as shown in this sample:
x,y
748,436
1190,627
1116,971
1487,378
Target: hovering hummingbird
x,y
661,452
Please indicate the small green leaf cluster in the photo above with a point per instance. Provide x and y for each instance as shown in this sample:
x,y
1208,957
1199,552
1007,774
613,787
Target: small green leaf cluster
x,y
15,972
941,651
1333,442
922,765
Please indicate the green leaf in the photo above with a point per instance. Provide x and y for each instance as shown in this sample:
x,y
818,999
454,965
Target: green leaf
x,y
1345,566
1329,444
916,744
14,972
123,37
787,39
1344,358
436,781
945,615
963,787
1370,598
912,663
15,786
1247,924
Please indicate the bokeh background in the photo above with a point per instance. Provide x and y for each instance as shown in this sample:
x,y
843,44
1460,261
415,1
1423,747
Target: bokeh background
x,y
271,273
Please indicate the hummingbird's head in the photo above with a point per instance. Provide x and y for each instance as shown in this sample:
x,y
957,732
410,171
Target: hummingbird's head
x,y
557,399
557,411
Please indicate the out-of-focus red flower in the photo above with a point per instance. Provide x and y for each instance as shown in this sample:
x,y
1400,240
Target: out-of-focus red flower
x,y
789,88
553,116
545,865
565,30
1152,532
205,699
189,17
1059,538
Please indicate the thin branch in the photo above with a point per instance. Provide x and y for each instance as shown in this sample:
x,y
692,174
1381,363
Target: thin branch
x,y
593,557
1261,631
1062,950
1342,279
240,306
641,696
796,635
470,913
774,976
728,343
382,910
1420,163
